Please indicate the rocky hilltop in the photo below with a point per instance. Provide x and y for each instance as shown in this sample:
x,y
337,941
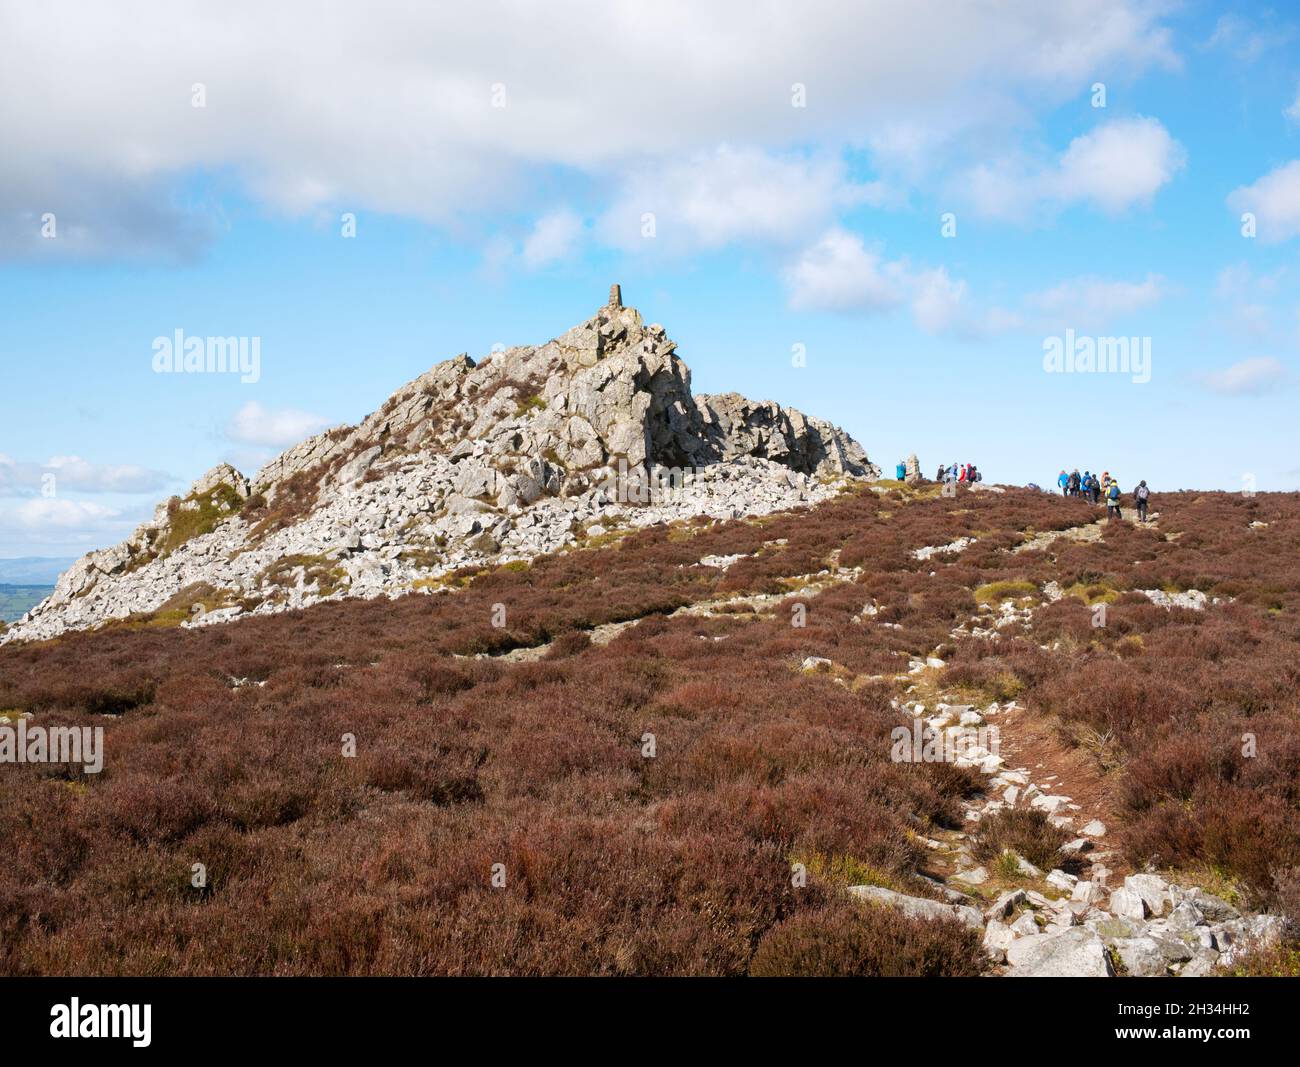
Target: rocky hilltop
x,y
527,451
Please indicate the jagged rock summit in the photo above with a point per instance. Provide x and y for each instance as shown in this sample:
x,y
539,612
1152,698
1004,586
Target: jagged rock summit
x,y
527,451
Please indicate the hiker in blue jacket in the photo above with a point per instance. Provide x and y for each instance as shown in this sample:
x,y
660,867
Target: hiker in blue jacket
x,y
1064,482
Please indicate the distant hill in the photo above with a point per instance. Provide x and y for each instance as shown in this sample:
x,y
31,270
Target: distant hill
x,y
17,600
34,570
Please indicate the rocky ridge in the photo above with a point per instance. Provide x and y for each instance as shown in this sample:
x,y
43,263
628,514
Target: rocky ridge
x,y
528,451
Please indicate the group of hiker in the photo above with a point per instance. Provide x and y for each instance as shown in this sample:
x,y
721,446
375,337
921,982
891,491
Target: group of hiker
x,y
1101,487
959,472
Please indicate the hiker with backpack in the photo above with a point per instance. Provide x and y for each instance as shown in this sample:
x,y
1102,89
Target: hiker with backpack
x,y
1112,500
1142,497
1074,482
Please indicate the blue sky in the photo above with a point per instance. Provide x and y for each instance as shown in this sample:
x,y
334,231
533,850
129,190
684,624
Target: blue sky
x,y
775,225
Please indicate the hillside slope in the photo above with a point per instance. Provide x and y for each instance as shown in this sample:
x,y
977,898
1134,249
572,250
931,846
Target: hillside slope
x,y
674,754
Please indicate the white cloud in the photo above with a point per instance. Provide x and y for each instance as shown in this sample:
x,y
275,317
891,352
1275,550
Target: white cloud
x,y
394,114
554,238
839,273
75,473
715,198
1249,376
937,301
1093,301
1275,202
43,526
254,424
1118,165
43,514
1293,112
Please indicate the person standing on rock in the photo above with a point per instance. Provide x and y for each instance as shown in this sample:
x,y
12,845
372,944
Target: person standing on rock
x,y
1142,497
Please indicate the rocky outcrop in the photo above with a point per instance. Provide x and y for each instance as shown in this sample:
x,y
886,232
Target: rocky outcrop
x,y
515,455
912,471
735,426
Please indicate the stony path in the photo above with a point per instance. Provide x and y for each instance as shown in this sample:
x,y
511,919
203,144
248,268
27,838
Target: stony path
x,y
1099,922
1096,919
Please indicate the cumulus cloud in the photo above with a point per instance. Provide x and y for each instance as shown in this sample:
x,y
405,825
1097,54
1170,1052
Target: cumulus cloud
x,y
46,525
715,198
1121,164
553,238
1249,376
54,514
1274,200
840,273
395,113
75,473
265,427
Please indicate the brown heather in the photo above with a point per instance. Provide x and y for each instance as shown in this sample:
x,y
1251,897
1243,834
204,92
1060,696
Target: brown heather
x,y
614,863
